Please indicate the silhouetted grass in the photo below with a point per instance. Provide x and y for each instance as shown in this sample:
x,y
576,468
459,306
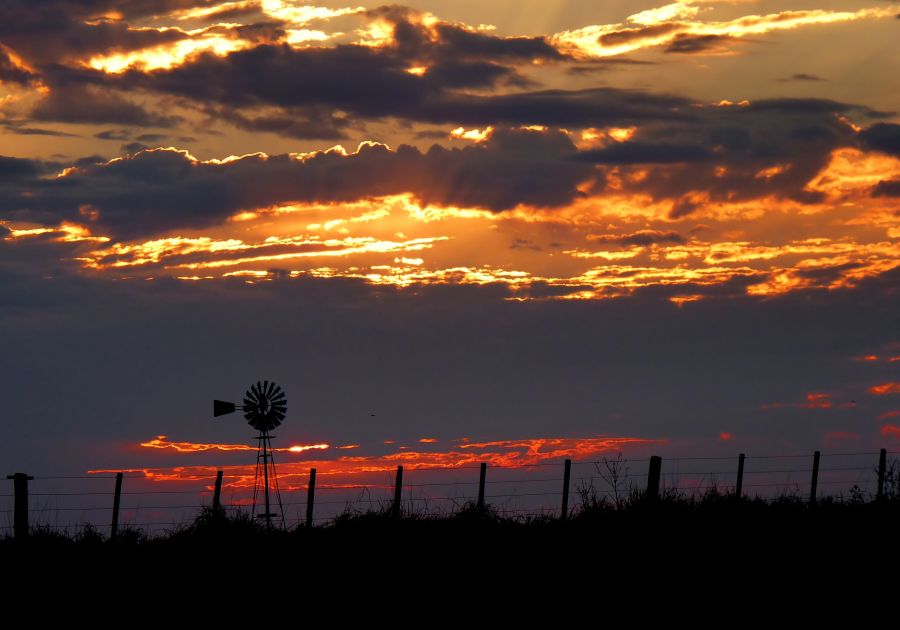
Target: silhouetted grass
x,y
674,510
623,531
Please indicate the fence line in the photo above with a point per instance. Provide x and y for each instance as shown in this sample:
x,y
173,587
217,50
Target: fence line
x,y
613,472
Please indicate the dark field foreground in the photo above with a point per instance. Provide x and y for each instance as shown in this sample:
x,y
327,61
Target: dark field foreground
x,y
639,542
713,562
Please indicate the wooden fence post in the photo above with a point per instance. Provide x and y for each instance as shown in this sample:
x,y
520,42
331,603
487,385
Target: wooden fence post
x,y
739,486
217,492
20,508
564,514
814,484
481,479
882,467
117,501
310,497
398,492
653,477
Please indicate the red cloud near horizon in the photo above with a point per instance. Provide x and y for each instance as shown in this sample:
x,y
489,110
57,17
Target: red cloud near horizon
x,y
883,389
293,474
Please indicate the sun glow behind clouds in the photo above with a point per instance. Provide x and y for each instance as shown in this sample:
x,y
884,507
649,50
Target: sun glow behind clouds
x,y
588,42
373,240
168,55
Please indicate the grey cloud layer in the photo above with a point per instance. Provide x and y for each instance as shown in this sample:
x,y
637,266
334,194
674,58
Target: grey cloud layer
x,y
151,192
155,191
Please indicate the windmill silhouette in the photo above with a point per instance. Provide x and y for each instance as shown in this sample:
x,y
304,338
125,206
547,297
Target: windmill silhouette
x,y
265,406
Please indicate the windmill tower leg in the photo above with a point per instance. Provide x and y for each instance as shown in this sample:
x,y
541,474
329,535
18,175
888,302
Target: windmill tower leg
x,y
265,445
275,483
264,461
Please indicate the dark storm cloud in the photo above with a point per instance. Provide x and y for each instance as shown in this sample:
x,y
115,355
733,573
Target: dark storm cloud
x,y
37,131
641,237
773,147
682,208
369,83
262,32
228,14
156,191
292,122
15,168
21,128
647,153
729,153
351,78
461,74
628,35
51,31
802,76
882,137
887,188
92,9
603,65
447,42
91,105
685,43
113,134
10,72
454,42
268,74
373,83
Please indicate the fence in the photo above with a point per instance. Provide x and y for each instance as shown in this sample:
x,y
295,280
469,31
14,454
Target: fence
x,y
544,488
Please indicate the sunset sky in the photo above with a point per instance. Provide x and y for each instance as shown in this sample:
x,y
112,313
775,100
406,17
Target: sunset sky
x,y
509,231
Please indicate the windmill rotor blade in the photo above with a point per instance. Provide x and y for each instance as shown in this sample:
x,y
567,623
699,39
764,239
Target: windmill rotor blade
x,y
264,405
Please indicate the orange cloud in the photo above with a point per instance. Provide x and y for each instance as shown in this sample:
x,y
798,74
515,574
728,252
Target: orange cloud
x,y
65,233
168,55
884,389
890,430
664,25
345,469
814,400
160,442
